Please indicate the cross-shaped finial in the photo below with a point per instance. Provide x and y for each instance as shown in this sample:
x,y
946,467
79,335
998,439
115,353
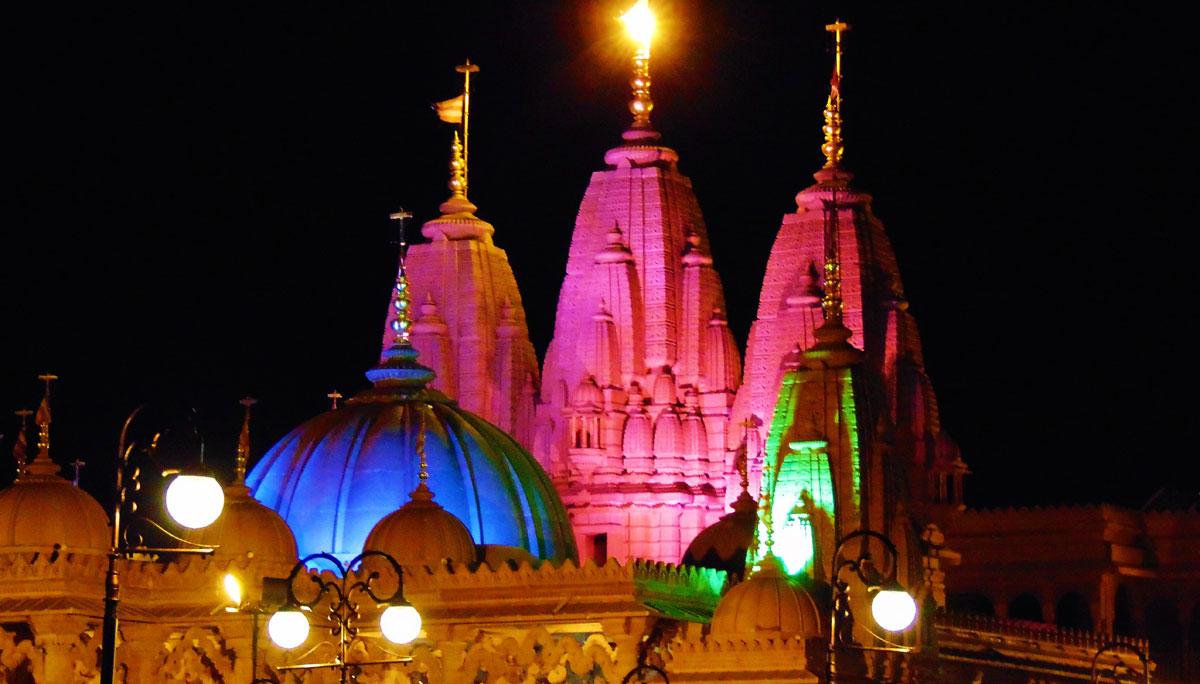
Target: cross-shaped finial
x,y
334,396
78,466
47,378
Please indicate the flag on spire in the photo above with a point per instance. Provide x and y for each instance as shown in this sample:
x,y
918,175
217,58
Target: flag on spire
x,y
43,412
451,111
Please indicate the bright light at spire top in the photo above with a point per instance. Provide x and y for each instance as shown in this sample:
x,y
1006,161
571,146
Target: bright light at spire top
x,y
639,23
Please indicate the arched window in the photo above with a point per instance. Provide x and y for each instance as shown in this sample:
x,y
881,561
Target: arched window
x,y
1026,607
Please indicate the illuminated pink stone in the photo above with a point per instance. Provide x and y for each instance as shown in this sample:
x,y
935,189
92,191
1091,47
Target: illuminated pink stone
x,y
636,317
471,326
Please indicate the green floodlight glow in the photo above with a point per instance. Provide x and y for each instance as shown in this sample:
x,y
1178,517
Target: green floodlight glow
x,y
794,544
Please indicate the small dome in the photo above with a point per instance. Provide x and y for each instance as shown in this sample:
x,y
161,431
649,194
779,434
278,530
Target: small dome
x,y
42,509
723,544
422,533
247,528
587,394
768,605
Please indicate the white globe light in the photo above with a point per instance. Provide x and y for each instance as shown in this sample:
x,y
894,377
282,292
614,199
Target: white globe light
x,y
195,501
288,628
893,609
400,624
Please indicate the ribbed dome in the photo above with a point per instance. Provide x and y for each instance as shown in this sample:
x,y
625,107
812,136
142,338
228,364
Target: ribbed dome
x,y
248,528
587,394
767,605
723,544
42,509
422,533
337,475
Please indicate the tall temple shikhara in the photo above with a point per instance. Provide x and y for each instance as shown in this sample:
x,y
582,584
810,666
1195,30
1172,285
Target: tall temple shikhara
x,y
640,375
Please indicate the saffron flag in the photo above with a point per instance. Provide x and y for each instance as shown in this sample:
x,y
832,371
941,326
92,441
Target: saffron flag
x,y
21,449
43,412
451,111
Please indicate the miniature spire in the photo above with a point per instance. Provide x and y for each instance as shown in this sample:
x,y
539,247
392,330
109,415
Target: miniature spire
x,y
833,147
333,397
639,23
243,446
21,446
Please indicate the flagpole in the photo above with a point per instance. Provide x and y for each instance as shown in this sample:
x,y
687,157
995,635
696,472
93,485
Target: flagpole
x,y
466,70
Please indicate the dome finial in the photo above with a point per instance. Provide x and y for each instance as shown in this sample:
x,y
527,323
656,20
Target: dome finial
x,y
42,463
243,447
21,446
833,147
333,398
639,23
458,170
401,298
399,367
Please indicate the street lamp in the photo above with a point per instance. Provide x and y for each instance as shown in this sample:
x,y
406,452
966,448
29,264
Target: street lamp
x,y
1119,669
192,500
892,607
272,599
399,622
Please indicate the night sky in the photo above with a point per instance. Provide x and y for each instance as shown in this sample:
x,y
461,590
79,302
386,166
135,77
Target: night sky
x,y
198,201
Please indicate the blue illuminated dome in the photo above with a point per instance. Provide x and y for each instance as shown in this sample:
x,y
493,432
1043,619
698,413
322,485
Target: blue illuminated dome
x,y
334,477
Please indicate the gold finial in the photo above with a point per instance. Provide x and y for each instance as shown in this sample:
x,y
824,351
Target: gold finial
x,y
458,170
831,302
21,446
243,447
43,419
639,23
424,472
766,498
833,147
333,397
466,69
401,297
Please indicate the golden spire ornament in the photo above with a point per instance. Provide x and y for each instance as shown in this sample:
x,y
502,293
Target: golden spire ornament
x,y
466,69
401,297
243,446
833,147
43,419
639,24
458,170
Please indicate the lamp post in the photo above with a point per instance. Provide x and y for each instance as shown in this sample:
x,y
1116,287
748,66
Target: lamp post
x,y
892,607
399,622
1119,668
193,501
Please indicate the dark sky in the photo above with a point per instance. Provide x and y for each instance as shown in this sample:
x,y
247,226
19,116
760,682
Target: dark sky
x,y
199,199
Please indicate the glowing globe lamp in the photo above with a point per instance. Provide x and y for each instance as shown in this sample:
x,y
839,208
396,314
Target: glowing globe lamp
x,y
400,624
195,501
288,628
893,608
